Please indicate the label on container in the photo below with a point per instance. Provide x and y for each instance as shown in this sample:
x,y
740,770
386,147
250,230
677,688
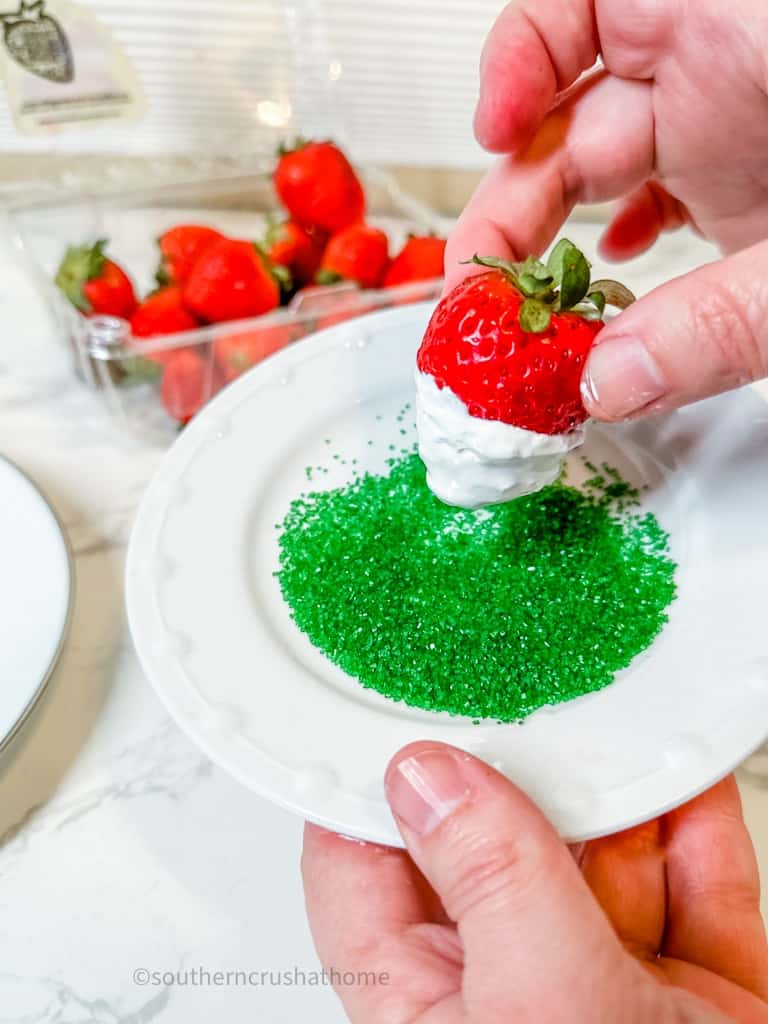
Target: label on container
x,y
63,68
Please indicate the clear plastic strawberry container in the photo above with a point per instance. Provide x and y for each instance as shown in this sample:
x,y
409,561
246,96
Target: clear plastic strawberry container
x,y
128,372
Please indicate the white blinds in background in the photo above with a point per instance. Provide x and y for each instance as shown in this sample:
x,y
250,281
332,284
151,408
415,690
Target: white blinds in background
x,y
396,79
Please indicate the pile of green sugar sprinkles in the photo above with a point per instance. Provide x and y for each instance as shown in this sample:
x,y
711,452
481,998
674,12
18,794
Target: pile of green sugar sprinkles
x,y
489,614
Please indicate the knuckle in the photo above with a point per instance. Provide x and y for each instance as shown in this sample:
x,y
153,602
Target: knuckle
x,y
488,874
725,320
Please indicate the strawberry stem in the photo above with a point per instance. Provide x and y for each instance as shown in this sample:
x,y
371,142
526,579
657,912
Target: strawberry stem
x,y
286,148
563,283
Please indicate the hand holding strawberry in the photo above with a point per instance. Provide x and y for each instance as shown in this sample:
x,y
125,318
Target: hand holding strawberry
x,y
500,371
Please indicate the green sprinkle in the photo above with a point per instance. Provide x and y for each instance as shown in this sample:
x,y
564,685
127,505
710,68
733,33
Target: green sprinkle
x,y
489,614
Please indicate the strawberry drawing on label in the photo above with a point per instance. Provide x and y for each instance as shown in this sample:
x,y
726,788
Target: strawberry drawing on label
x,y
37,42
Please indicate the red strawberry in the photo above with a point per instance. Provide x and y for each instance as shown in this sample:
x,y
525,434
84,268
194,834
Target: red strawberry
x,y
236,353
231,281
359,253
94,284
421,259
179,249
318,186
512,343
186,385
162,313
289,245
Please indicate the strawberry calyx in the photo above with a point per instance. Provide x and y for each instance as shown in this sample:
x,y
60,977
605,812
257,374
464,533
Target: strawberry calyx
x,y
286,148
328,277
81,263
281,274
275,233
561,284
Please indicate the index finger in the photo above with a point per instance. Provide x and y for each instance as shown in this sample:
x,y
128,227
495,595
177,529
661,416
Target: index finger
x,y
597,144
536,49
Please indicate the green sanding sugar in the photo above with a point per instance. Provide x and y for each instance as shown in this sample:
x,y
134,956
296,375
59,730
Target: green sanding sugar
x,y
489,614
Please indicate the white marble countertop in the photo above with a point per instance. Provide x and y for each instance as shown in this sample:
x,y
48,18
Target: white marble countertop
x,y
121,846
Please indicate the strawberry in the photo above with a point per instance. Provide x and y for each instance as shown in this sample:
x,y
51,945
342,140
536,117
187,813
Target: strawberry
x,y
359,253
230,281
186,385
163,312
511,343
179,249
318,186
289,245
236,353
421,259
95,284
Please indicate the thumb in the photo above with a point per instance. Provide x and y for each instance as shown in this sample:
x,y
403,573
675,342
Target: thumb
x,y
536,944
699,335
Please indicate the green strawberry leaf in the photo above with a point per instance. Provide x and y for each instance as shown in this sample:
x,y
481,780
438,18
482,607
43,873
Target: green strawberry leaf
x,y
97,258
327,277
162,276
535,316
598,301
283,276
557,258
275,233
614,294
536,269
286,148
81,263
528,285
574,271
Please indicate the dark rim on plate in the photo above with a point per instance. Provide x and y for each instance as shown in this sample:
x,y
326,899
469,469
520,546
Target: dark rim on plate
x,y
36,697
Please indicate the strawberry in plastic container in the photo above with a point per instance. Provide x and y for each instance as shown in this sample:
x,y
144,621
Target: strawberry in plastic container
x,y
243,349
161,313
187,384
421,259
95,284
318,186
296,249
180,247
359,253
231,280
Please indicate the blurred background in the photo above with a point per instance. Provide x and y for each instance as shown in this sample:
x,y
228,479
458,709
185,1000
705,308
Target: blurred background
x,y
395,83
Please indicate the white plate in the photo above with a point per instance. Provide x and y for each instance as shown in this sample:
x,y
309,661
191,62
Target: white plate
x,y
217,642
35,596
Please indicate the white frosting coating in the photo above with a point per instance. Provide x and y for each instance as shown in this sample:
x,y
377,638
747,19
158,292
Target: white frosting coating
x,y
473,462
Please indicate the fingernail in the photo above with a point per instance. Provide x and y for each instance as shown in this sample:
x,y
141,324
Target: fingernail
x,y
621,377
424,790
